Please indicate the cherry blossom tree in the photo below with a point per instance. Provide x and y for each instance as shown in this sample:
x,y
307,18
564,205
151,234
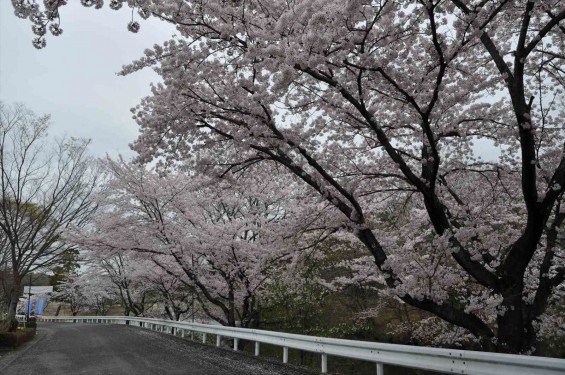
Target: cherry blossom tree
x,y
122,270
89,290
99,291
70,291
176,297
379,104
221,239
142,288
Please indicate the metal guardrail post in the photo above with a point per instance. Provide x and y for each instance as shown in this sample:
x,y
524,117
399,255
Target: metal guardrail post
x,y
204,338
235,344
285,354
380,369
257,348
218,340
324,363
182,333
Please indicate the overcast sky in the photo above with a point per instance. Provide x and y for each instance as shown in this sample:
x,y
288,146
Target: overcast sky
x,y
74,78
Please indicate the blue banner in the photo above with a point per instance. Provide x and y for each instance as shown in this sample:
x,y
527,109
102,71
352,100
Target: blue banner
x,y
39,306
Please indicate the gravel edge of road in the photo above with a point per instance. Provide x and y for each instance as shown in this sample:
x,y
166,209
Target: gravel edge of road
x,y
240,353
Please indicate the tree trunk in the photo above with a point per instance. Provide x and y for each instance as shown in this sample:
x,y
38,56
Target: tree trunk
x,y
169,313
14,298
511,333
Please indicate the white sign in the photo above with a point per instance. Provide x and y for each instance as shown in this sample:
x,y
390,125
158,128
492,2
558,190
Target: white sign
x,y
38,290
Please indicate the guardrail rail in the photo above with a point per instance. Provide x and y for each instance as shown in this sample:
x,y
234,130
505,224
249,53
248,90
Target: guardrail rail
x,y
450,361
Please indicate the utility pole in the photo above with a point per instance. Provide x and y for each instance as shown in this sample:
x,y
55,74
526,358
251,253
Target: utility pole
x,y
28,309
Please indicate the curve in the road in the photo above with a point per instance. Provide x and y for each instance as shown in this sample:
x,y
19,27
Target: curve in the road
x,y
69,349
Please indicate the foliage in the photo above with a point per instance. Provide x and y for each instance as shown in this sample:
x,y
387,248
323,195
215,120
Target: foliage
x,y
68,264
9,325
15,339
31,323
297,304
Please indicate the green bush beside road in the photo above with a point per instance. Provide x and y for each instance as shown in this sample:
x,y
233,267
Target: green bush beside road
x,y
12,340
11,337
31,323
9,325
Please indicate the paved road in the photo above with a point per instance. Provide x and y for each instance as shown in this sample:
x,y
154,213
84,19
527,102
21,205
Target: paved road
x,y
69,349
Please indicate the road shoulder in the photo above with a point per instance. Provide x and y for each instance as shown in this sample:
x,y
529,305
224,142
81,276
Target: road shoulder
x,y
8,356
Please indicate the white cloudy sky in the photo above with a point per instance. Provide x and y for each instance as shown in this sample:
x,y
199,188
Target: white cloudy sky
x,y
74,77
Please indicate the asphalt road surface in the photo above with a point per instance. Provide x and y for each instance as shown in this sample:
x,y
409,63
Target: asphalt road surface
x,y
69,349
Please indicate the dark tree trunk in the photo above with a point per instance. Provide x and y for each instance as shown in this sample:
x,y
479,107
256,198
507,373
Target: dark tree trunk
x,y
14,298
511,335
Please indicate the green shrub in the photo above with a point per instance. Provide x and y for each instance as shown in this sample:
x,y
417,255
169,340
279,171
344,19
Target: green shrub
x,y
31,323
9,325
13,340
4,326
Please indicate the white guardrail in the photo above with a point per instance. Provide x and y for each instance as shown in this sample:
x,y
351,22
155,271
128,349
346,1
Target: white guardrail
x,y
451,361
